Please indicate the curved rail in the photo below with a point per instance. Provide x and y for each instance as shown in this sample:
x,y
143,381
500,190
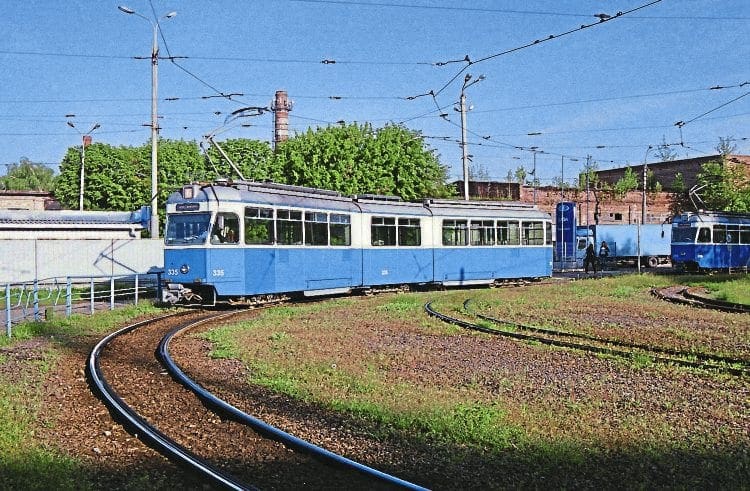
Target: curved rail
x,y
713,362
264,428
160,441
682,295
705,357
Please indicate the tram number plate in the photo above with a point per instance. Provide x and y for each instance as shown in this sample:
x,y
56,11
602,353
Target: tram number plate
x,y
217,272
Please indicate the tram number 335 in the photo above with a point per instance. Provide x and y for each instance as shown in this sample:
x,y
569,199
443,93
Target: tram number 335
x,y
217,272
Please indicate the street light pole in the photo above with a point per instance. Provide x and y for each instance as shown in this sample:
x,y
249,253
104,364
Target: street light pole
x,y
84,142
464,150
154,229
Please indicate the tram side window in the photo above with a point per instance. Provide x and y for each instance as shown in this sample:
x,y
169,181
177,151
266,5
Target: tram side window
x,y
258,226
454,232
533,233
720,234
316,228
226,229
383,231
507,233
704,235
482,232
745,235
340,230
409,232
289,227
548,234
733,234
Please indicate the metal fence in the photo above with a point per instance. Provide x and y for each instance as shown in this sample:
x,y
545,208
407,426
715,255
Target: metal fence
x,y
40,300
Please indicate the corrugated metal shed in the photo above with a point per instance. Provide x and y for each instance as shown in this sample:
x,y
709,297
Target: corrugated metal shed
x,y
67,224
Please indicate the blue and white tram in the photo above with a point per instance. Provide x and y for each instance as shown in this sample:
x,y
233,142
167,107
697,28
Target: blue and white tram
x,y
710,240
247,241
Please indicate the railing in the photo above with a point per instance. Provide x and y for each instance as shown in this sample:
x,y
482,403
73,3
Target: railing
x,y
39,300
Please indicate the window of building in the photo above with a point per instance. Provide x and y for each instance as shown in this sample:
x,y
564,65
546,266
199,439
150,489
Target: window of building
x,y
618,217
409,232
258,226
507,233
533,233
383,231
454,232
340,230
289,227
482,232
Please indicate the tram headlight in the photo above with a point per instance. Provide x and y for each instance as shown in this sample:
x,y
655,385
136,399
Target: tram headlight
x,y
184,269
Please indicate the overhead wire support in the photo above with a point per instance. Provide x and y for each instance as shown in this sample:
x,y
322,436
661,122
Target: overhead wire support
x,y
603,18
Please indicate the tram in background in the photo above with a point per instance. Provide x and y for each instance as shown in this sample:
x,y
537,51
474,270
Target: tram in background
x,y
710,240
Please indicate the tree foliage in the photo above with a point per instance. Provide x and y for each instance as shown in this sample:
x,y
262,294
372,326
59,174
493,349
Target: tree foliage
x,y
119,178
724,186
355,159
27,175
628,182
253,158
351,159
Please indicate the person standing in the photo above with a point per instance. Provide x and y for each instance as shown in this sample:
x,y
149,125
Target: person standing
x,y
590,258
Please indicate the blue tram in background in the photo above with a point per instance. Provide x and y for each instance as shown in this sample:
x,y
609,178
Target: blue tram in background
x,y
248,241
710,240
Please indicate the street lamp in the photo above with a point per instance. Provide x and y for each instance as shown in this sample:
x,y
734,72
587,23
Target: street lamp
x,y
154,123
464,151
85,141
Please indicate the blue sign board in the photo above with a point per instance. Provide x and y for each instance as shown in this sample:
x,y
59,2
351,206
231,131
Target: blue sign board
x,y
565,230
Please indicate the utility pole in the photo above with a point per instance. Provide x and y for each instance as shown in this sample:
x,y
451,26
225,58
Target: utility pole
x,y
588,171
645,178
154,229
464,150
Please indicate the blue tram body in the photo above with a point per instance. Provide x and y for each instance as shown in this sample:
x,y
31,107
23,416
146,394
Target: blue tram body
x,y
246,241
710,240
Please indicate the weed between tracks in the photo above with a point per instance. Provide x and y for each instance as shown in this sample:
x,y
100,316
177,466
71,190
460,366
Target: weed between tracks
x,y
27,361
568,417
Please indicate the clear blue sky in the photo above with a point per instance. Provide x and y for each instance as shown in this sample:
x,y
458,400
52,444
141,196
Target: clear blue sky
x,y
609,90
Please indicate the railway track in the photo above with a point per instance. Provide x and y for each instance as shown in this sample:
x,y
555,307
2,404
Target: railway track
x,y
225,447
692,297
593,344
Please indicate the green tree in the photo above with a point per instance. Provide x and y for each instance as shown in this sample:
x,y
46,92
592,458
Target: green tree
x,y
520,174
119,178
680,200
253,158
28,176
724,187
628,182
355,159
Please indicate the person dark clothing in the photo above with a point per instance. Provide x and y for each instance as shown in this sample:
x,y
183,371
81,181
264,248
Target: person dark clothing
x,y
604,249
590,258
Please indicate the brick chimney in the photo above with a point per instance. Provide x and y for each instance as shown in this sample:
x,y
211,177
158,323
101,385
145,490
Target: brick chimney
x,y
281,107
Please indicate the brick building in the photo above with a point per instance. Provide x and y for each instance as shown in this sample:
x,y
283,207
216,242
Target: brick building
x,y
600,206
665,172
28,200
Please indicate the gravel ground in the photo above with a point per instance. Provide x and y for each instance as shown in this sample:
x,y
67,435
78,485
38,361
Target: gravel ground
x,y
708,416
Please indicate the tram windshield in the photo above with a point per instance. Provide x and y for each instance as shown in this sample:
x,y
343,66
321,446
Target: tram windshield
x,y
187,228
683,234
